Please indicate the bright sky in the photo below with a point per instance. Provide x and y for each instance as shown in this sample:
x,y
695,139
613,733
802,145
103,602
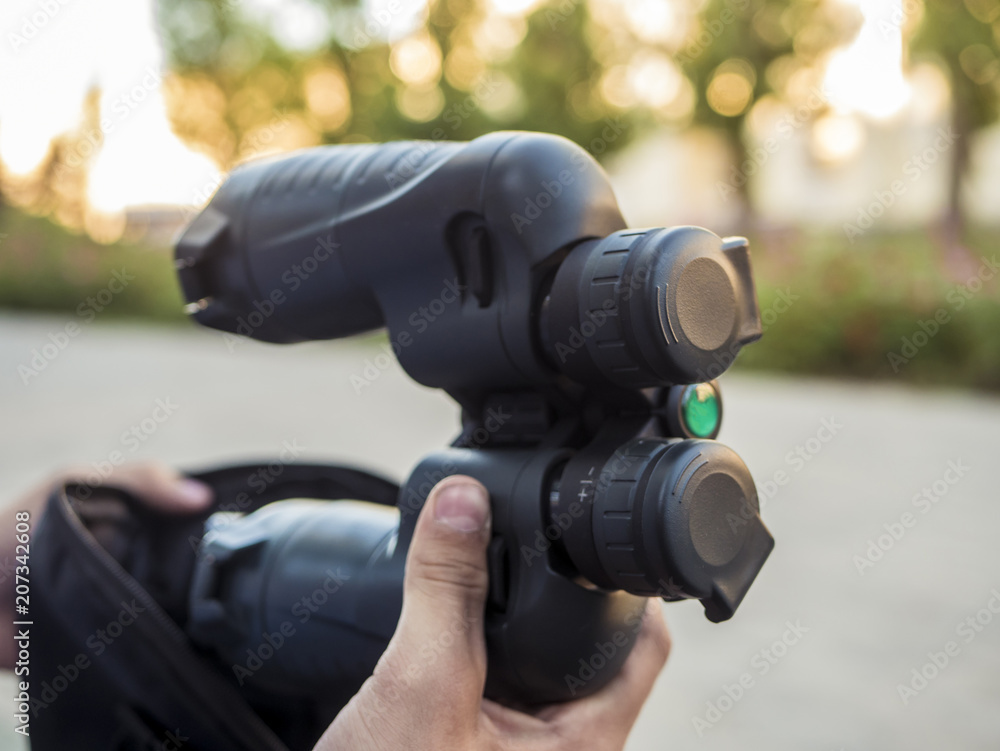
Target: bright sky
x,y
49,59
867,75
51,54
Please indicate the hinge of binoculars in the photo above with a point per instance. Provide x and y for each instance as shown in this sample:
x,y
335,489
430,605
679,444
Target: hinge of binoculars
x,y
508,420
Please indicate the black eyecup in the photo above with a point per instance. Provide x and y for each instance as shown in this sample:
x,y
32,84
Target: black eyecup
x,y
676,519
644,308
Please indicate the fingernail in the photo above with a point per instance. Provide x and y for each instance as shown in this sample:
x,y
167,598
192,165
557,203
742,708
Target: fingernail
x,y
464,507
194,493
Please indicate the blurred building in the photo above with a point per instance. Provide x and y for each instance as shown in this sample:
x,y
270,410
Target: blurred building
x,y
893,173
155,225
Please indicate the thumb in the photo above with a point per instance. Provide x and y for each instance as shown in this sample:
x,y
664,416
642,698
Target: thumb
x,y
444,589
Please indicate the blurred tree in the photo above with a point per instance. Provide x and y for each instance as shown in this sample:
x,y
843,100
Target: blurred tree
x,y
964,36
469,69
741,51
58,185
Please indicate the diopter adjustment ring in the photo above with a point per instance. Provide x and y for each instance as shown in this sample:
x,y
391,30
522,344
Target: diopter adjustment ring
x,y
654,307
679,519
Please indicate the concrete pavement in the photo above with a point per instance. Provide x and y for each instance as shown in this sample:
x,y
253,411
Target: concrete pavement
x,y
884,502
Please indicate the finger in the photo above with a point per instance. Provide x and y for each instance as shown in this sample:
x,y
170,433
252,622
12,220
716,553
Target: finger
x,y
512,723
440,631
616,706
155,484
632,686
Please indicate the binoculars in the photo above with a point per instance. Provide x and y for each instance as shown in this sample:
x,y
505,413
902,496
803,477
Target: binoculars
x,y
583,355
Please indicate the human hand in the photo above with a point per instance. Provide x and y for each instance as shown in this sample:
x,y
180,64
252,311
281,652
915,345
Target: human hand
x,y
155,484
416,705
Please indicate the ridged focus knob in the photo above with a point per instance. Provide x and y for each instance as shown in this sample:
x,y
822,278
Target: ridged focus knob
x,y
672,518
643,308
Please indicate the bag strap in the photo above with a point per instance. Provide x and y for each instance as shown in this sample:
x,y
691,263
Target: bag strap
x,y
265,482
164,651
199,686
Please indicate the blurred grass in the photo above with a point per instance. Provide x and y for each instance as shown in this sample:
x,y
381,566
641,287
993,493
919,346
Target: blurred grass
x,y
850,304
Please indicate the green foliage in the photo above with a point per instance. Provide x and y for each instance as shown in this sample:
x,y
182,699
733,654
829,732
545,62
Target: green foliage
x,y
759,45
849,307
726,32
43,267
234,77
555,57
852,307
965,35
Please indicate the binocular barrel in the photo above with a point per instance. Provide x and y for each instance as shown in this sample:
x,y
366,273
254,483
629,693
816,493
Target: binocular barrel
x,y
505,274
666,518
511,246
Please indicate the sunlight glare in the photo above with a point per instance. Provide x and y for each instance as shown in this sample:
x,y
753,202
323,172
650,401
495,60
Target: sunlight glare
x,y
867,75
33,112
114,47
837,138
513,7
144,163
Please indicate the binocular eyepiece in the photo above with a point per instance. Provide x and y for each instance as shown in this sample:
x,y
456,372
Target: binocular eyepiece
x,y
332,242
671,518
647,308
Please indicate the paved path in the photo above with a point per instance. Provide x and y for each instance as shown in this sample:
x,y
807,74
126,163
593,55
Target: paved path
x,y
853,636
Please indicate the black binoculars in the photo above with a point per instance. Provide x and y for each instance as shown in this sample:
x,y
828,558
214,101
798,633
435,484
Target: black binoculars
x,y
583,355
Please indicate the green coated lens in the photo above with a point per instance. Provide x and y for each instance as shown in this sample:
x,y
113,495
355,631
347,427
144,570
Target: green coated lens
x,y
700,410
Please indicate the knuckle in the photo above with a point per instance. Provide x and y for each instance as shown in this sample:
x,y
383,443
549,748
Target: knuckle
x,y
454,573
597,734
659,635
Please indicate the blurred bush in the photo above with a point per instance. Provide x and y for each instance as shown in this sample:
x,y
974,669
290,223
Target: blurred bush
x,y
44,267
882,308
